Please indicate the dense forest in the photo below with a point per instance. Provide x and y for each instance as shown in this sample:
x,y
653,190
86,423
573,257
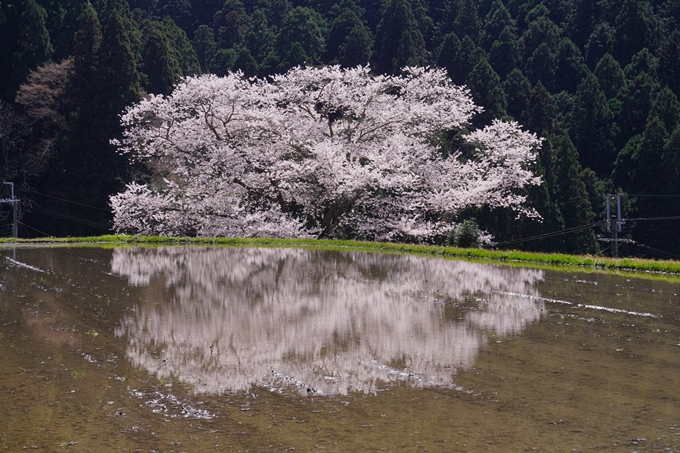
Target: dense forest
x,y
597,79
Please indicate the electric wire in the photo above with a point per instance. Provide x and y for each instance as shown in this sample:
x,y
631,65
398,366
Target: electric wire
x,y
69,218
72,202
32,228
554,233
655,250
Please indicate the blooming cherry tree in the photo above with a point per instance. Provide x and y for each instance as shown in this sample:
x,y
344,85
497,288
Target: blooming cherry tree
x,y
317,152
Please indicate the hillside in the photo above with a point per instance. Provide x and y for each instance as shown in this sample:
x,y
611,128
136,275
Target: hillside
x,y
597,79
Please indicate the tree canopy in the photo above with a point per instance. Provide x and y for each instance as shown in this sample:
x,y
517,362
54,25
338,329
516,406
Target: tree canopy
x,y
325,152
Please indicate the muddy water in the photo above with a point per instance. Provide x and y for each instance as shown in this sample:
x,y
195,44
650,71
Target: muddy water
x,y
252,349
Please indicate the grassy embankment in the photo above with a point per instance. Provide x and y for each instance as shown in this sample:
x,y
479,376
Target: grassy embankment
x,y
552,259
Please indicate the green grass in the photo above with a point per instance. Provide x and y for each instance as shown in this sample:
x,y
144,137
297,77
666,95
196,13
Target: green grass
x,y
512,256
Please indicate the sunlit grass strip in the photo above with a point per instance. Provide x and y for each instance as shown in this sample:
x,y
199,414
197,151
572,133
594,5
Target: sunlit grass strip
x,y
557,259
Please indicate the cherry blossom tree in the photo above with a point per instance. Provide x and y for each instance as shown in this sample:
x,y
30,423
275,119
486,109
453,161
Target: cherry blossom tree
x,y
317,152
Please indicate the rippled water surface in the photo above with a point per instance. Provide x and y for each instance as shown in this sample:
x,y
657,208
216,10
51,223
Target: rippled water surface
x,y
197,349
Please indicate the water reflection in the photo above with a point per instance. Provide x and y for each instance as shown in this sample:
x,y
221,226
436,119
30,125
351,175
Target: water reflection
x,y
228,319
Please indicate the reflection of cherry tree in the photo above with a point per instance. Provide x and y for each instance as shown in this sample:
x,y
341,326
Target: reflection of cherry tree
x,y
227,319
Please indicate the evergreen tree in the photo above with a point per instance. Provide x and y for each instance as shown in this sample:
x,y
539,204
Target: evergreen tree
x,y
569,66
671,161
222,62
505,53
447,57
541,67
541,31
296,56
572,197
306,27
349,43
669,56
260,38
204,45
161,68
425,22
541,111
496,22
467,22
397,19
117,70
643,61
25,44
487,91
599,44
593,128
467,58
667,108
610,75
231,24
62,37
636,27
636,102
518,90
245,63
582,21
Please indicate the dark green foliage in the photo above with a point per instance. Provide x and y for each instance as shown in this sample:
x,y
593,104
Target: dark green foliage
x,y
25,44
260,38
640,167
569,66
541,31
518,93
636,27
642,61
161,68
467,22
306,27
572,197
599,44
487,91
167,56
245,63
505,53
447,56
296,56
497,20
349,43
582,21
465,235
636,102
204,45
669,62
231,24
541,111
541,67
610,75
593,128
222,62
667,108
397,29
459,57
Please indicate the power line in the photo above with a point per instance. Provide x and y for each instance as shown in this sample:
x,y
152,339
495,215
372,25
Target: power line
x,y
553,234
651,195
34,229
677,217
655,250
67,217
72,202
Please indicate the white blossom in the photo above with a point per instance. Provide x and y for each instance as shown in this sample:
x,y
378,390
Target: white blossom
x,y
314,152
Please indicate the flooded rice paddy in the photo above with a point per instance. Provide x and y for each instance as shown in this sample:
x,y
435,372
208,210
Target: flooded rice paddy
x,y
199,349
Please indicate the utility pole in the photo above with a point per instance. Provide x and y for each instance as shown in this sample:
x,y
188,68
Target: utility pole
x,y
614,223
15,206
